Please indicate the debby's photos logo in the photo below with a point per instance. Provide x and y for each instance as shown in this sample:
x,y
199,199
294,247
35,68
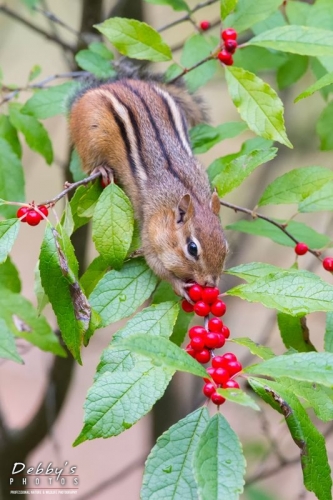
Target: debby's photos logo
x,y
42,479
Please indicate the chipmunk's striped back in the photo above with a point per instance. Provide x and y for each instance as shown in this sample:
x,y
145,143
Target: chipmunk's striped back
x,y
139,129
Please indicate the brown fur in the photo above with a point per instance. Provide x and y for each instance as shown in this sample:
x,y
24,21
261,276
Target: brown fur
x,y
168,187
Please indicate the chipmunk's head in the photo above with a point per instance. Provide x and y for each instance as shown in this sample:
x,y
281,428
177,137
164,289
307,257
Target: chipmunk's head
x,y
189,244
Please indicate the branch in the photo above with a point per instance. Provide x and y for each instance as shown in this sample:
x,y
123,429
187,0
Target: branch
x,y
52,17
256,215
187,70
187,17
37,29
70,187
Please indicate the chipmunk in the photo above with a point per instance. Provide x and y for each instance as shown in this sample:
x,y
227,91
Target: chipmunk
x,y
139,129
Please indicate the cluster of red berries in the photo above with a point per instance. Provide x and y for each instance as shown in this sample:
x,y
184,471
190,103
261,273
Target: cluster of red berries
x,y
31,216
203,341
302,248
229,37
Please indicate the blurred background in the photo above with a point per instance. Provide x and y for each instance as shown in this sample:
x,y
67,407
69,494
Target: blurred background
x,y
112,469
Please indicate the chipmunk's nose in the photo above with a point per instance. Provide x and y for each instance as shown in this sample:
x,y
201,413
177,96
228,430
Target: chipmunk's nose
x,y
212,281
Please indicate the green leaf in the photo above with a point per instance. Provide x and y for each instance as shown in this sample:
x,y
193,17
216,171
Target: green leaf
x,y
247,147
8,233
34,72
204,137
157,320
328,339
254,348
219,463
35,134
42,298
119,399
113,223
95,64
197,48
154,320
300,231
101,49
50,101
272,21
298,12
312,367
227,6
315,467
319,84
250,272
163,353
258,104
250,12
295,333
258,59
238,396
11,178
88,200
58,270
292,70
320,71
8,349
24,322
324,128
135,39
233,174
75,202
319,200
9,276
175,4
9,133
168,471
317,396
301,40
93,274
119,293
165,292
296,185
296,293
75,167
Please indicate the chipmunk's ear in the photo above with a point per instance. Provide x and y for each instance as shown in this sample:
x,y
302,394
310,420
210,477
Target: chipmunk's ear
x,y
185,209
215,203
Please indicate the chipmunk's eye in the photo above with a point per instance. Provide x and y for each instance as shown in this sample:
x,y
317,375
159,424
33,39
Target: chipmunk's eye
x,y
192,249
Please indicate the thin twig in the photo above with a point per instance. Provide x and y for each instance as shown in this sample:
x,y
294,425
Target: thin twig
x,y
256,215
70,188
54,19
36,29
188,70
187,17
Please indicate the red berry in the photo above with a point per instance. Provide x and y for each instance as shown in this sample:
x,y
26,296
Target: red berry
x,y
212,340
225,57
230,45
186,306
218,308
205,25
198,343
225,332
234,367
44,210
215,325
210,370
196,331
208,389
328,264
217,362
229,34
229,356
33,218
22,213
191,351
195,292
201,308
220,375
210,294
221,341
217,399
203,356
301,248
231,384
